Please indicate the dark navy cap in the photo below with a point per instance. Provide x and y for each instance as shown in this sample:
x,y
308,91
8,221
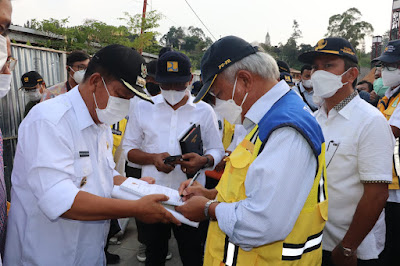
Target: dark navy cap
x,y
173,67
333,46
219,56
124,64
30,80
151,68
283,66
391,54
286,77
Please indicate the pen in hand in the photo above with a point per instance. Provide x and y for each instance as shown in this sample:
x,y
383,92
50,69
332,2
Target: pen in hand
x,y
192,181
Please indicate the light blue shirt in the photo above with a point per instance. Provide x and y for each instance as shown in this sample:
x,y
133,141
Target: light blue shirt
x,y
277,183
307,95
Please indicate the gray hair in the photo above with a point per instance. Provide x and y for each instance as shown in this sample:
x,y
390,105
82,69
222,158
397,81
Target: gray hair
x,y
260,63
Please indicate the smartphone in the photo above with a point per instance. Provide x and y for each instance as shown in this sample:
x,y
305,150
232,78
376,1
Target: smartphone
x,y
171,159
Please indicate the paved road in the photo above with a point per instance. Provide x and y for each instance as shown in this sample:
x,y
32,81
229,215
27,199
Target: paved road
x,y
129,246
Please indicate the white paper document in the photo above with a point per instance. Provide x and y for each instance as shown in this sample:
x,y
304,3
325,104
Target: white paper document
x,y
123,193
142,188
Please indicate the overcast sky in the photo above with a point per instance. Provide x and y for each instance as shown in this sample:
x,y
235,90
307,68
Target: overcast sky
x,y
249,19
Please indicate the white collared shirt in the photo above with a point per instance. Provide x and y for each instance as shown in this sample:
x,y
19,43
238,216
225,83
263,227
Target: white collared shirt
x,y
389,92
275,192
307,95
155,128
359,148
59,145
394,194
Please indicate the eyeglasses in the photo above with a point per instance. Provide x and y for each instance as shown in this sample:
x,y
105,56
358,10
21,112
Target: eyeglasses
x,y
80,67
11,63
391,67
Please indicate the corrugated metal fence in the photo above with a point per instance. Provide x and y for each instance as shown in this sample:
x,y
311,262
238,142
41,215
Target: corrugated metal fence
x,y
51,65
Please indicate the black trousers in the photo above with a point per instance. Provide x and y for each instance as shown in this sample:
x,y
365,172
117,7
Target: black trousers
x,y
392,244
156,238
327,261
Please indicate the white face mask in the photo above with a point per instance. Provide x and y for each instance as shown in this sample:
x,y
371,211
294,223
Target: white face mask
x,y
78,75
229,109
326,84
307,83
391,78
116,109
33,95
3,51
173,97
5,83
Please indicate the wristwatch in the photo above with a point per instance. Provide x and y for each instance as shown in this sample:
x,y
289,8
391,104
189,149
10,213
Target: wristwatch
x,y
208,163
347,252
207,207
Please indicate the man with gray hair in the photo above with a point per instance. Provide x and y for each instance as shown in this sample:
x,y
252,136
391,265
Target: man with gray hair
x,y
270,203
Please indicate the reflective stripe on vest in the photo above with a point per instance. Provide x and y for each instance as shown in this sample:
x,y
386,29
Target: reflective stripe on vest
x,y
296,251
321,189
387,107
230,253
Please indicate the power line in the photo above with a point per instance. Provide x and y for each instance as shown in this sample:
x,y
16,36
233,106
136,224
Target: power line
x,y
200,20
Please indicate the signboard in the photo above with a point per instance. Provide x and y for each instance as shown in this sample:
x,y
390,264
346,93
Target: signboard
x,y
395,27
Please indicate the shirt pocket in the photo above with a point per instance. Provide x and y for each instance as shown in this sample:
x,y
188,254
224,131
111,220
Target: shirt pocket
x,y
83,170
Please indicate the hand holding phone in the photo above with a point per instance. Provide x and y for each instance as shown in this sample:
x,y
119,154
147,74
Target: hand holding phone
x,y
172,159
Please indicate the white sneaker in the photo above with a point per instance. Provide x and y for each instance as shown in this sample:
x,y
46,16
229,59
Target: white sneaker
x,y
141,255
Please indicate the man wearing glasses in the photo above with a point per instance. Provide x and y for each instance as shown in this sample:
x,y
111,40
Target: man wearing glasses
x,y
77,62
5,81
390,61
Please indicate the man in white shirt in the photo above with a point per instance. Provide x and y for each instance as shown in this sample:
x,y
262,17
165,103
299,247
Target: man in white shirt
x,y
358,157
152,135
64,169
388,105
274,181
304,87
5,83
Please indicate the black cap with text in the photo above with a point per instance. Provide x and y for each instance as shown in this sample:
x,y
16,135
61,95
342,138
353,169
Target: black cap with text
x,y
222,54
331,46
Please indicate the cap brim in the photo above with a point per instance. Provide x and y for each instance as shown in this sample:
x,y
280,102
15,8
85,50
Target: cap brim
x,y
387,59
308,57
27,88
138,92
204,90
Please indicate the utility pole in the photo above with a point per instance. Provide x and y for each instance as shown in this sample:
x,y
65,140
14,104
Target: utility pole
x,y
143,20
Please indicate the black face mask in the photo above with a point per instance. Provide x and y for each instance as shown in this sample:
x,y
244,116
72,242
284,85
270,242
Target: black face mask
x,y
152,88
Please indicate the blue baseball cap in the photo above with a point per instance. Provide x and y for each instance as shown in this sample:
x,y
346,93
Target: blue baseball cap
x,y
391,54
173,67
222,54
286,77
332,46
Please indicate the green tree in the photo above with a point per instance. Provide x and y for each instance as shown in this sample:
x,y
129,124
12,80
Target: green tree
x,y
136,23
296,30
348,25
174,37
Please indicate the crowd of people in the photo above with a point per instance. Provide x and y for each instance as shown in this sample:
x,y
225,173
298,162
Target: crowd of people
x,y
288,173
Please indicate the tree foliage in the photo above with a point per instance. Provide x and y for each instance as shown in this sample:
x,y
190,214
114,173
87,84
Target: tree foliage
x,y
348,25
191,41
93,34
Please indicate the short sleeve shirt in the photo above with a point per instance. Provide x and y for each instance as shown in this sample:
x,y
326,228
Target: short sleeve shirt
x,y
60,152
355,136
